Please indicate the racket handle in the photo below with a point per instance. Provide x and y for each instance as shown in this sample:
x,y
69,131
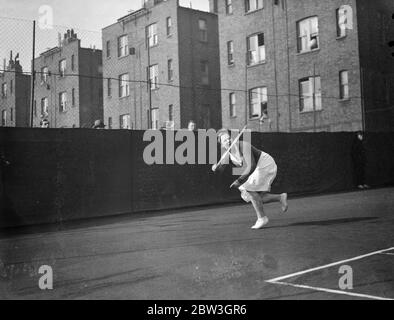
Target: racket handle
x,y
214,167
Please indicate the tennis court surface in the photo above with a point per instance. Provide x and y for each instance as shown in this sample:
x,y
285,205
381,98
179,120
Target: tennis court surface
x,y
212,253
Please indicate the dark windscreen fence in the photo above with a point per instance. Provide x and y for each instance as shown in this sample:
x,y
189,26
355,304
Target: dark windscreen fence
x,y
58,175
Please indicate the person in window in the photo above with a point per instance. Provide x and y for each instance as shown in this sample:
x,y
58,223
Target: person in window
x,y
255,183
359,161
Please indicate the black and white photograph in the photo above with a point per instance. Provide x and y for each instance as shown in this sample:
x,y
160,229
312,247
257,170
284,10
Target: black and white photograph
x,y
201,157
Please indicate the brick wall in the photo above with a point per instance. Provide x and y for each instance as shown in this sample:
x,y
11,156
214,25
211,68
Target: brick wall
x,y
376,30
83,79
284,66
187,103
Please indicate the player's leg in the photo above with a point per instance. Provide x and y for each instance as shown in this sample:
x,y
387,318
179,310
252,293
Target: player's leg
x,y
258,205
269,198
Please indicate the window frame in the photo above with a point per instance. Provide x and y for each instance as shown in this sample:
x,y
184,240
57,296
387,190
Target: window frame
x,y
156,119
229,7
263,104
230,53
171,113
344,88
121,121
63,102
109,87
203,32
256,2
204,73
170,70
154,76
152,27
318,105
108,49
44,106
62,67
124,83
233,104
73,98
4,118
301,38
44,74
4,90
123,46
261,52
169,26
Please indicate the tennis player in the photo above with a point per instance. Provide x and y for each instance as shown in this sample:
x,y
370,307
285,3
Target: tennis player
x,y
255,182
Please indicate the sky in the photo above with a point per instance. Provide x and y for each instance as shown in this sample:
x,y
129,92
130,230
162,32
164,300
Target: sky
x,y
88,17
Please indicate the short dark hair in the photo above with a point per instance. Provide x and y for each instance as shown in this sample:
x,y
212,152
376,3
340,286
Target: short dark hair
x,y
222,132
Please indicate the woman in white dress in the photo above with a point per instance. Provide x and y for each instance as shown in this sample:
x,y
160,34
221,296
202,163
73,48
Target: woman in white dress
x,y
255,182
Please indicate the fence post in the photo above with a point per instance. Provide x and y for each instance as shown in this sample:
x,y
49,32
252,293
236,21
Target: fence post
x,y
33,75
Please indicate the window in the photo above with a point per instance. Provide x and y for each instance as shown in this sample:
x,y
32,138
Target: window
x,y
170,112
230,53
152,35
124,86
110,123
44,74
72,62
308,34
62,102
169,26
73,97
12,114
12,87
256,49
253,5
344,85
203,32
35,108
125,122
109,87
4,90
205,117
310,94
204,66
154,76
4,118
44,107
123,46
155,119
170,71
229,6
108,49
258,103
233,111
62,67
341,22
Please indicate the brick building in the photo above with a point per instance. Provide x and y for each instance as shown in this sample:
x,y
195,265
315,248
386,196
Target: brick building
x,y
68,85
161,68
306,65
15,95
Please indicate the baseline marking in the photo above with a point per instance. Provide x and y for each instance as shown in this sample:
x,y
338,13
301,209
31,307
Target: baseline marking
x,y
275,280
359,295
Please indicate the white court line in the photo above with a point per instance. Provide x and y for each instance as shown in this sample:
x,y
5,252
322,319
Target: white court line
x,y
359,295
387,254
328,265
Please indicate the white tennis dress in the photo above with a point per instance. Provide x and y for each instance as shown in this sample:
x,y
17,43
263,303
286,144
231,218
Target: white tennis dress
x,y
261,178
